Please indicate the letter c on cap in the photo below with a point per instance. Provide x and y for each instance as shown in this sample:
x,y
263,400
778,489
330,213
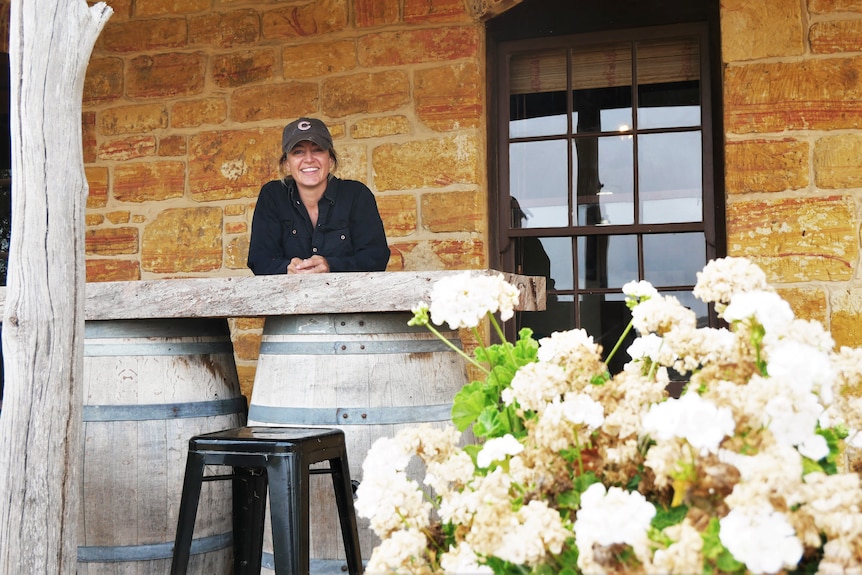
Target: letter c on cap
x,y
304,125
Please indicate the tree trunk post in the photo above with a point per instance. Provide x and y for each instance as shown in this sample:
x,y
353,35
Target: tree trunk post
x,y
50,42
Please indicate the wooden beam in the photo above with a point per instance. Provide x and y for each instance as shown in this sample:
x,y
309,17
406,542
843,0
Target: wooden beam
x,y
251,296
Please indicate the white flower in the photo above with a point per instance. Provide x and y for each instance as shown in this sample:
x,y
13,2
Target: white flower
x,y
697,420
462,560
463,300
761,538
536,385
767,308
612,516
539,531
647,345
561,344
497,449
723,278
639,290
583,409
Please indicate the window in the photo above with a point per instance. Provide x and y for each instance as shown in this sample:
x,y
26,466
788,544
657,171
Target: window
x,y
605,171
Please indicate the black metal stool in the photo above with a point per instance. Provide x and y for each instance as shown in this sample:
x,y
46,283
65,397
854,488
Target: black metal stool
x,y
280,457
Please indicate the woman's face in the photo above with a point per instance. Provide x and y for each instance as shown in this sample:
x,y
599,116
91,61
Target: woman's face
x,y
309,165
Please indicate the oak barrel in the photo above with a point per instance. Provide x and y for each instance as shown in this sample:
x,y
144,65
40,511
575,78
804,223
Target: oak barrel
x,y
369,374
149,386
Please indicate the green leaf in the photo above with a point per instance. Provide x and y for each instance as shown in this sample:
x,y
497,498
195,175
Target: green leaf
x,y
667,516
467,405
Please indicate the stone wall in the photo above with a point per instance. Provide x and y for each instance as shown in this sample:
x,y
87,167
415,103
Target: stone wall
x,y
185,101
793,129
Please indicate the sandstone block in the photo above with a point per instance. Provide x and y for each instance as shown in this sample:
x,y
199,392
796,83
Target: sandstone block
x,y
796,239
88,136
399,214
835,36
289,100
93,220
193,113
766,165
352,162
364,93
112,270
371,13
417,46
172,146
156,7
421,11
134,119
752,30
453,212
236,253
165,75
433,163
97,180
149,181
241,68
449,97
846,317
379,127
235,209
318,59
816,94
103,81
144,35
183,240
836,161
111,241
807,303
225,29
120,217
460,254
230,164
128,148
828,6
233,228
311,19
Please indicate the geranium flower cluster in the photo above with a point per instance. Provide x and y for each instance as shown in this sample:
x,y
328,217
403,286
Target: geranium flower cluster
x,y
554,465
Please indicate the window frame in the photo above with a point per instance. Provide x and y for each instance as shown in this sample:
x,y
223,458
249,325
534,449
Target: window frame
x,y
504,235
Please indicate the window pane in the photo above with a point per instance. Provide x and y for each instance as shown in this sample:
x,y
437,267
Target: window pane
x,y
669,177
538,182
537,115
558,316
607,261
537,88
604,179
673,259
668,83
547,257
605,316
601,87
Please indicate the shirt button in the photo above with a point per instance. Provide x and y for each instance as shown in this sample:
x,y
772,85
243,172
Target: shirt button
x,y
343,237
314,250
294,232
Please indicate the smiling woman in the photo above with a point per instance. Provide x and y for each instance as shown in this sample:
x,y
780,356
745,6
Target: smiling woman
x,y
310,221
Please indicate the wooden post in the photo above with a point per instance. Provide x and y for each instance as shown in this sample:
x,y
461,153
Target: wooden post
x,y
50,42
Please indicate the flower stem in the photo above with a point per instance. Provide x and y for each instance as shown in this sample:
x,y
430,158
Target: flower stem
x,y
620,341
503,339
578,451
457,349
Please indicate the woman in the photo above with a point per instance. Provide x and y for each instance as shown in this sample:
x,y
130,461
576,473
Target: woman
x,y
310,221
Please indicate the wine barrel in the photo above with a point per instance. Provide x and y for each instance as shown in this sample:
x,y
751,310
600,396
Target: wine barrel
x,y
149,386
369,374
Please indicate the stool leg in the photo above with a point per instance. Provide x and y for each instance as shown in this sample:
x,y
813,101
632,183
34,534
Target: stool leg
x,y
346,513
249,511
289,509
188,512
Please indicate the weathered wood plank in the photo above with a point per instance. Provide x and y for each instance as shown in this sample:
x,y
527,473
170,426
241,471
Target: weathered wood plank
x,y
251,296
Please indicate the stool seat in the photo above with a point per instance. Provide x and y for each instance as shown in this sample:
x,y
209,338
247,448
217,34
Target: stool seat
x,y
277,460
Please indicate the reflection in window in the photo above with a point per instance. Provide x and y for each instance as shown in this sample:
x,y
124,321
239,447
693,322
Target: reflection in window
x,y
605,161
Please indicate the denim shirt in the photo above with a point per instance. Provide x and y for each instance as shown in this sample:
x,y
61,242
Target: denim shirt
x,y
349,231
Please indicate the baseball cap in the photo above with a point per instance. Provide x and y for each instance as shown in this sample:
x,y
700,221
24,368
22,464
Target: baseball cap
x,y
310,129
